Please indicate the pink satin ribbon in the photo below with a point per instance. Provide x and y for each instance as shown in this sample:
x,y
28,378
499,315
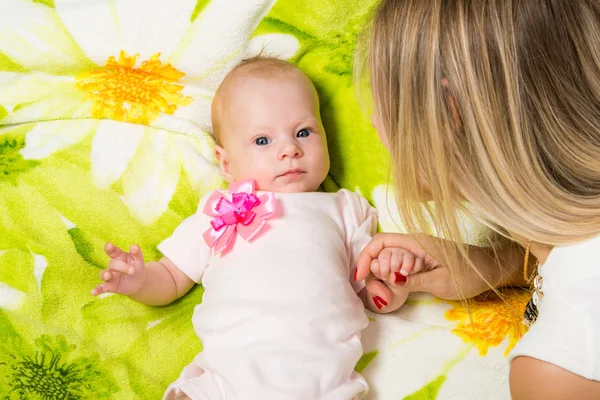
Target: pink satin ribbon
x,y
244,213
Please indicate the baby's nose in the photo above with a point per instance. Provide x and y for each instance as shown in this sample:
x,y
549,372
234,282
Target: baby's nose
x,y
290,150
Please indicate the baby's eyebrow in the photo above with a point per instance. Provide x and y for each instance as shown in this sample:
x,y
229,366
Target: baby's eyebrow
x,y
306,121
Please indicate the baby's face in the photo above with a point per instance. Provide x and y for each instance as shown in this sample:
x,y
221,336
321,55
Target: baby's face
x,y
272,133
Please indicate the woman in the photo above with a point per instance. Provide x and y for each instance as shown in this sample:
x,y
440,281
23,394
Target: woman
x,y
497,104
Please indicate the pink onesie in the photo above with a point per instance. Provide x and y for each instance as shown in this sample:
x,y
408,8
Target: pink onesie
x,y
280,318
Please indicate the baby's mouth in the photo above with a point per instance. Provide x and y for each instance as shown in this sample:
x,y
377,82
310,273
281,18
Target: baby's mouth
x,y
292,173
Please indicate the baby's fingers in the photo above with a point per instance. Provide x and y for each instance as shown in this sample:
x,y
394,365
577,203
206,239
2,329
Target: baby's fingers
x,y
385,261
375,268
411,265
408,263
114,252
106,287
120,266
403,263
106,275
136,255
418,267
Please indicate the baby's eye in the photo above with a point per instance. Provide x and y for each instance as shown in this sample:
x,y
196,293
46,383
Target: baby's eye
x,y
262,141
303,133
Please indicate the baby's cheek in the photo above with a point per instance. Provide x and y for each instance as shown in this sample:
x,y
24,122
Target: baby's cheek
x,y
263,181
245,168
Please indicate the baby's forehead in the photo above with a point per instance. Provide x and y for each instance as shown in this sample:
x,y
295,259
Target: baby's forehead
x,y
245,77
262,74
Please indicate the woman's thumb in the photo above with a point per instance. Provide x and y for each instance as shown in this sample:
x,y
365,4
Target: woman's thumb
x,y
432,281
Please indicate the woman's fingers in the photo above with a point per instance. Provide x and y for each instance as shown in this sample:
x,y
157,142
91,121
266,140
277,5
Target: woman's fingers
x,y
436,281
376,295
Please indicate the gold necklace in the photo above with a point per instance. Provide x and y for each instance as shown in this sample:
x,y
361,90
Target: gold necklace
x,y
526,264
535,286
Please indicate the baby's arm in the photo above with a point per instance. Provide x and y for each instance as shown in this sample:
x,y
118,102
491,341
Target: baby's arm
x,y
155,283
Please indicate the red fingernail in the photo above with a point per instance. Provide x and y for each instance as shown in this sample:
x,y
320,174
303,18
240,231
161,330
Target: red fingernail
x,y
376,301
381,300
399,279
355,272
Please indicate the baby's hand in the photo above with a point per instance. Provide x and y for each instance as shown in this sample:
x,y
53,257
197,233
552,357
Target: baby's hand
x,y
394,264
125,273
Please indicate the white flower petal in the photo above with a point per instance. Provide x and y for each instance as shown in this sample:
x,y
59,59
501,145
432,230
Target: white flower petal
x,y
492,377
68,223
50,136
197,157
32,35
10,298
34,96
218,38
157,27
39,267
105,27
93,26
19,88
152,324
384,336
199,111
387,212
178,125
151,179
113,147
66,105
273,45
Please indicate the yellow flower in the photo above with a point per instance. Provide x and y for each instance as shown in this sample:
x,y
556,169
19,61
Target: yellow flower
x,y
121,92
489,319
139,84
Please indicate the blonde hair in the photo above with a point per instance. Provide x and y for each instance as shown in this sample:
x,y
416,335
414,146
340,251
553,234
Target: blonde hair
x,y
257,66
496,103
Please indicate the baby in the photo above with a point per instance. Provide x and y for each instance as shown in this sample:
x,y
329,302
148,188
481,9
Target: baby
x,y
280,318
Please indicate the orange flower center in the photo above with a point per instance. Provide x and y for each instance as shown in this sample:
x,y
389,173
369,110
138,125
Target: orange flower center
x,y
488,320
122,92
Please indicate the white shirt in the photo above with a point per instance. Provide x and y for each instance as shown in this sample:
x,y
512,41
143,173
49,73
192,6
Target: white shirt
x,y
280,318
567,331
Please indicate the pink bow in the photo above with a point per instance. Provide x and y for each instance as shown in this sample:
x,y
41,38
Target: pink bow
x,y
244,213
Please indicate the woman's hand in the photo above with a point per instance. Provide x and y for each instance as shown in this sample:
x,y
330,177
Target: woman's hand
x,y
498,269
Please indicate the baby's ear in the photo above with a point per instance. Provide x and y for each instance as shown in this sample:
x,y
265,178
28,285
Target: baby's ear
x,y
223,160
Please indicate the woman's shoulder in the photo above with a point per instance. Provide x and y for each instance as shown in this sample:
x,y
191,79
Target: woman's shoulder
x,y
574,262
568,327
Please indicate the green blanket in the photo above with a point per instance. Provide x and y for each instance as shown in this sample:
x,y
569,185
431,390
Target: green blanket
x,y
105,136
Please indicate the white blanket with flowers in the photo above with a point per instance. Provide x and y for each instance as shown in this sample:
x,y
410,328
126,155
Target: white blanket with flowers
x,y
105,135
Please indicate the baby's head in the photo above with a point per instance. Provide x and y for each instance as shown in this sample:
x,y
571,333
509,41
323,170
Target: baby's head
x,y
268,127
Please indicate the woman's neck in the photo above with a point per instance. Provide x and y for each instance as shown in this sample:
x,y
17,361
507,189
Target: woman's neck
x,y
541,251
